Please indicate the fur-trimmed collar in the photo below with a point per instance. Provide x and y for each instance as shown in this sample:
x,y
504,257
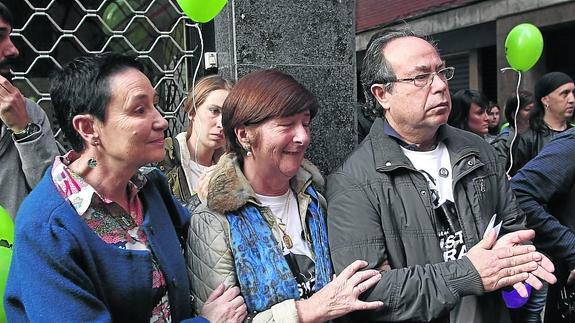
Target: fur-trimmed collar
x,y
229,189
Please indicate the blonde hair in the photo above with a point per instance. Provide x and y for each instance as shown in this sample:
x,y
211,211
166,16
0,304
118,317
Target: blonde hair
x,y
200,92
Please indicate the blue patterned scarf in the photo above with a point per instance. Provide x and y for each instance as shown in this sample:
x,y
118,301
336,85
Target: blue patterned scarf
x,y
264,276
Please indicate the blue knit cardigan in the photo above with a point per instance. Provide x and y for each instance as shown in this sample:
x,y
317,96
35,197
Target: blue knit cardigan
x,y
62,271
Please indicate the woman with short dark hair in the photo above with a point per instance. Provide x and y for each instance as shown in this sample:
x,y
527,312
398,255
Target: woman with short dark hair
x,y
99,239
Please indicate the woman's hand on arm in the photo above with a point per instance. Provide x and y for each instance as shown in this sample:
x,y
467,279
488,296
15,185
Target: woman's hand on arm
x,y
341,295
224,305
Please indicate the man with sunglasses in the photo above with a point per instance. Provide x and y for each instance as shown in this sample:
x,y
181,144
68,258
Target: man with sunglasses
x,y
27,145
418,198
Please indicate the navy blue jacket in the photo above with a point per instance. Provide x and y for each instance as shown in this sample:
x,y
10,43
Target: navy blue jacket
x,y
62,271
545,190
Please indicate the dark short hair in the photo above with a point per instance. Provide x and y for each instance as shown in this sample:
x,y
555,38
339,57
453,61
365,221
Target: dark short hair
x,y
525,98
6,15
260,96
461,103
82,87
375,67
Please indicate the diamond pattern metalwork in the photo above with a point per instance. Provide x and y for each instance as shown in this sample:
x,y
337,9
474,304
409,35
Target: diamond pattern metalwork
x,y
156,31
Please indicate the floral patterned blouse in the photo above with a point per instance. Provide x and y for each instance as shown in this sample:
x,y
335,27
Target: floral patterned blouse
x,y
114,225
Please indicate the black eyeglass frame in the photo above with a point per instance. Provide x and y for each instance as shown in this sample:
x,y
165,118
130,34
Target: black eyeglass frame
x,y
445,73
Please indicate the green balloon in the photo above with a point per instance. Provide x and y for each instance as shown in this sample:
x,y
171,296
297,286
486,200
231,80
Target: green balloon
x,y
6,227
5,258
202,10
523,46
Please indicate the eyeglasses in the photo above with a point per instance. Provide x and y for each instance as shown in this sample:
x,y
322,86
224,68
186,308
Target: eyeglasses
x,y
423,80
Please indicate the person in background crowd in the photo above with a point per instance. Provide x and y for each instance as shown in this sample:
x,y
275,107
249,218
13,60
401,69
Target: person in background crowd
x,y
545,189
554,105
263,228
526,104
470,112
98,239
27,144
415,199
494,120
191,153
503,141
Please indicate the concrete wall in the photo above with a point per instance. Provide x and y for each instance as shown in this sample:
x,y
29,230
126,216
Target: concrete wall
x,y
311,40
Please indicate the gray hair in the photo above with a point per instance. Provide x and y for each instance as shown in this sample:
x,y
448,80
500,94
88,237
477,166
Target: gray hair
x,y
375,68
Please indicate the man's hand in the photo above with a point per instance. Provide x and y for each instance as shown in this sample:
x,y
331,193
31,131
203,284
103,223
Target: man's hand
x,y
545,266
505,266
12,106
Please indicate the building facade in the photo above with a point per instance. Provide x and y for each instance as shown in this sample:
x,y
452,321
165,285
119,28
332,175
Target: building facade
x,y
314,43
471,36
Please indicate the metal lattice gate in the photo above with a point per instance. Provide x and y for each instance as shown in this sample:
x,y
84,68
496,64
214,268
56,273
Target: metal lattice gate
x,y
48,34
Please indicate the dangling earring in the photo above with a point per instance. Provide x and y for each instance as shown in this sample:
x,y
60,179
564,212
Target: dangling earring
x,y
92,163
546,106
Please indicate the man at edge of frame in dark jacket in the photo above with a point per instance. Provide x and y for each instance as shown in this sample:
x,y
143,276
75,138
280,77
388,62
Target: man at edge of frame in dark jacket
x,y
416,198
545,190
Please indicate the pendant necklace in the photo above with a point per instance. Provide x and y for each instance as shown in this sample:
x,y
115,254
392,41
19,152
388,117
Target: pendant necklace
x,y
285,236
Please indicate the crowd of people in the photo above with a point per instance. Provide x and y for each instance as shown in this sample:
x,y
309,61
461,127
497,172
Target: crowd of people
x,y
434,214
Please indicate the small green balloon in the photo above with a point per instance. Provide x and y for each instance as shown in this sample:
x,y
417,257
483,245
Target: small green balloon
x,y
202,10
6,226
523,46
5,259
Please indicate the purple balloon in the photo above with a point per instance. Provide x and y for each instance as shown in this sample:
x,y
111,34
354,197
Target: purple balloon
x,y
513,299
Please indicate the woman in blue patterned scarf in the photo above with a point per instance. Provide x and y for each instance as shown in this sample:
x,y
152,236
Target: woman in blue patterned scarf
x,y
263,227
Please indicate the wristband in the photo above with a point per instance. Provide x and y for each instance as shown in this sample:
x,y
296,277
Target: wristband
x,y
27,131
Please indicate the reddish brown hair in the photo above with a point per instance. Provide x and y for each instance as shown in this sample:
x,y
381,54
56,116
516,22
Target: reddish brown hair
x,y
260,96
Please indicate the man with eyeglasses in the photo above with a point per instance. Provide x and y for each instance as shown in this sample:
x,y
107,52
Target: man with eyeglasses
x,y
27,145
418,198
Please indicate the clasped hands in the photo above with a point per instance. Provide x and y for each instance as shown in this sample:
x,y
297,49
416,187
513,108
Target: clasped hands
x,y
508,262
